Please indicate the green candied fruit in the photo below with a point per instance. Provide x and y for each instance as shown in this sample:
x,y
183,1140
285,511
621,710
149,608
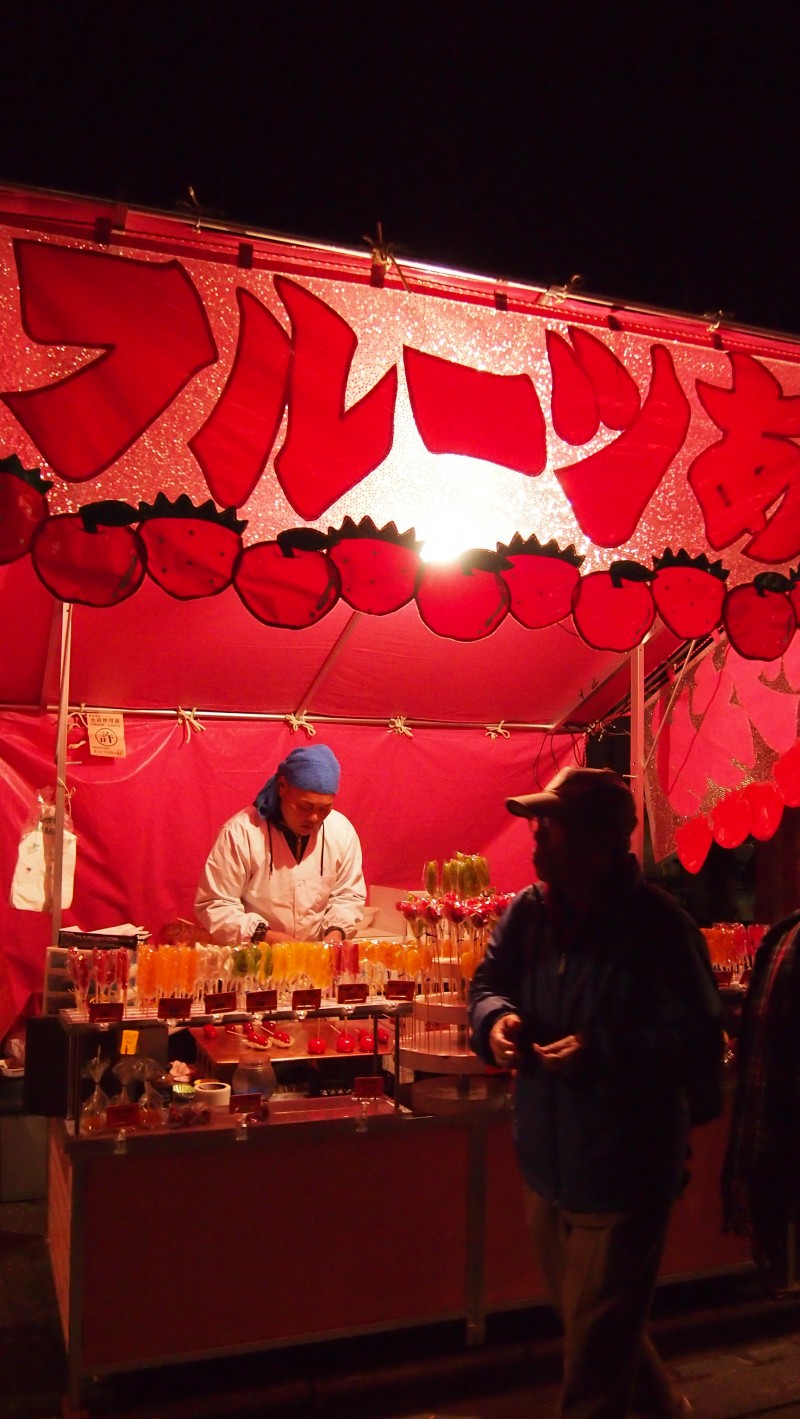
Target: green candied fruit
x,y
239,967
431,877
266,961
482,873
253,953
467,877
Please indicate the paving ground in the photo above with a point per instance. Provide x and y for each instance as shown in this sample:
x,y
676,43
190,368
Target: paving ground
x,y
734,1349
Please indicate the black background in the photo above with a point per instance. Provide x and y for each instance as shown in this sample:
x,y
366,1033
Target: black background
x,y
652,148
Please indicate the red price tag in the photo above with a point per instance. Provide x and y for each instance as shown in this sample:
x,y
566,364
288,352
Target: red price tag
x,y
245,1103
174,1007
223,1000
122,1115
400,989
369,1086
354,994
306,999
100,1011
261,1000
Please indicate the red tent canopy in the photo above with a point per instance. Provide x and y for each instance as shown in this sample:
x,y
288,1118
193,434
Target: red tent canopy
x,y
244,459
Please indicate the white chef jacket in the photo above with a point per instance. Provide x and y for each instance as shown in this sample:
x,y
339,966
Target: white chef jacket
x,y
251,876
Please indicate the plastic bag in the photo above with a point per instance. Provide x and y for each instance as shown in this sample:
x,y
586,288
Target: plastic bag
x,y
32,883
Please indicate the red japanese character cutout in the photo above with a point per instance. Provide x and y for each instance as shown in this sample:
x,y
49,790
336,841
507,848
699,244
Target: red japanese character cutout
x,y
755,467
590,386
377,566
236,440
328,448
191,550
23,506
541,580
150,324
609,490
496,417
465,600
290,582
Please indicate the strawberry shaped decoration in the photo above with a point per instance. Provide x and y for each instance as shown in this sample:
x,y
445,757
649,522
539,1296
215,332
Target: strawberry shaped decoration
x,y
464,600
541,580
731,819
92,557
191,551
290,582
377,566
766,809
614,610
688,593
23,506
786,773
692,843
759,617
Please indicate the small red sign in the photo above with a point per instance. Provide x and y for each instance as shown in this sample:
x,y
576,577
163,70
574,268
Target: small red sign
x,y
174,1007
306,999
223,1000
400,989
122,1115
369,1086
245,1103
354,994
105,1011
261,1000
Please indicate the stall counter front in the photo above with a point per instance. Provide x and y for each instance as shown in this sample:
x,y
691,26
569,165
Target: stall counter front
x,y
332,1218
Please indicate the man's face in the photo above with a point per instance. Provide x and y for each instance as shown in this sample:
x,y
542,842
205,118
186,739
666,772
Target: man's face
x,y
302,810
551,849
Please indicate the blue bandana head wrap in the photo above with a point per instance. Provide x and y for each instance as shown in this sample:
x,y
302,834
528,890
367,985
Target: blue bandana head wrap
x,y
313,767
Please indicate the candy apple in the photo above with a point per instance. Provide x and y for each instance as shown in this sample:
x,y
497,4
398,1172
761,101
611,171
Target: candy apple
x,y
346,1042
316,1045
23,507
281,1037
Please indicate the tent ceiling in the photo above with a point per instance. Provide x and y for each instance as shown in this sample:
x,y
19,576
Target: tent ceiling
x,y
152,652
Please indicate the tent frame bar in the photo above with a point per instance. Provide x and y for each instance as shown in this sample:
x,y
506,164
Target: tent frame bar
x,y
264,717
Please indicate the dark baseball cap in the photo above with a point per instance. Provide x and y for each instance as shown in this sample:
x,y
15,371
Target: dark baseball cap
x,y
595,797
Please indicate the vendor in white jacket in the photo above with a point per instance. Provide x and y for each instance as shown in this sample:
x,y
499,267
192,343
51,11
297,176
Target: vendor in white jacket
x,y
289,867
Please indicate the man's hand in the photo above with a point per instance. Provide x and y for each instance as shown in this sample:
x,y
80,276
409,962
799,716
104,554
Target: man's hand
x,y
561,1056
503,1041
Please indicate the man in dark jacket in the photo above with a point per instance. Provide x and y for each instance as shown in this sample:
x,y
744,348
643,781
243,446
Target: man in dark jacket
x,y
597,989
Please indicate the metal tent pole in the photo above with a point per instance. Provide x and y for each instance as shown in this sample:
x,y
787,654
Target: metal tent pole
x,y
637,748
61,767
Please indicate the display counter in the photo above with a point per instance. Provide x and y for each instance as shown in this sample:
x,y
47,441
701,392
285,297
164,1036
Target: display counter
x,y
332,1217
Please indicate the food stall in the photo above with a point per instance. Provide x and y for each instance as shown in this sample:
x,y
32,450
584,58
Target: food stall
x,y
255,489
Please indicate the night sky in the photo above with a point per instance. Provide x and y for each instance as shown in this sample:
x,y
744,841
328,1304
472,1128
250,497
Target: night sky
x,y
651,148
